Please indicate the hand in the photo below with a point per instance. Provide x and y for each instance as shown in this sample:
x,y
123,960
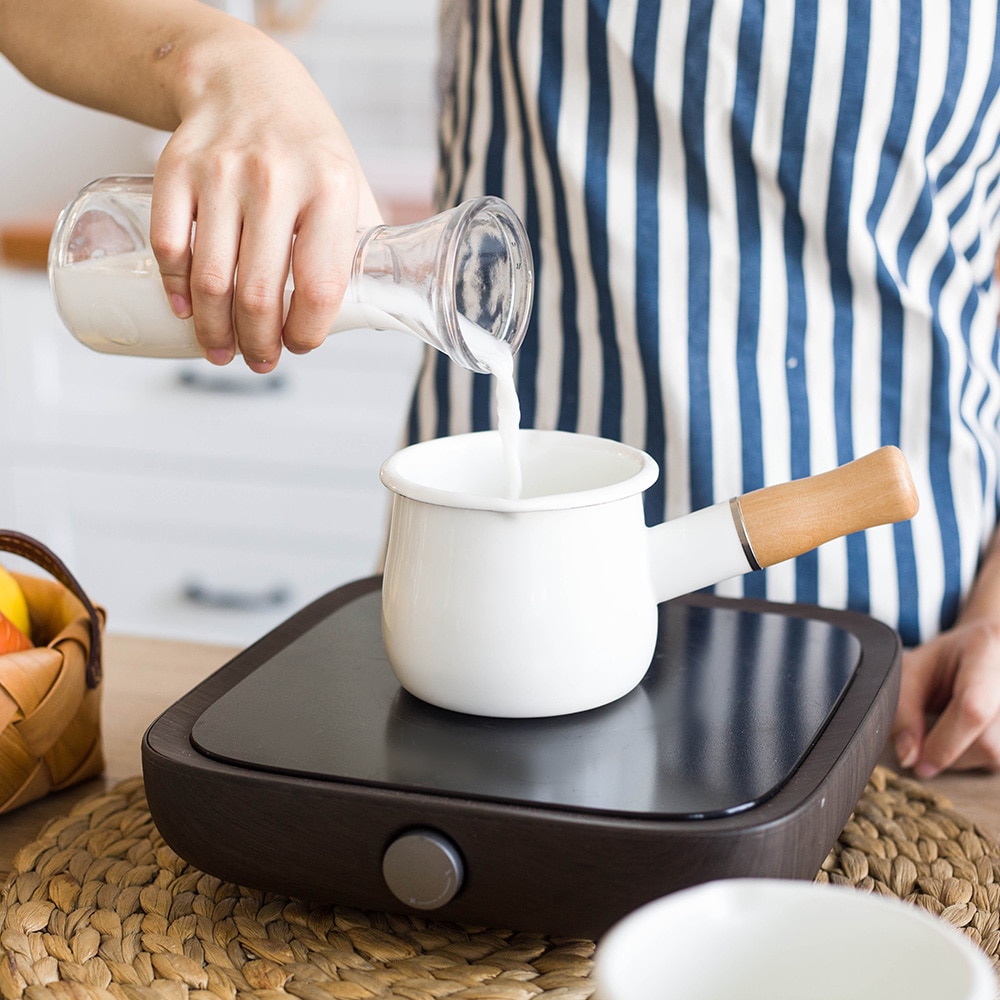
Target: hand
x,y
258,158
955,680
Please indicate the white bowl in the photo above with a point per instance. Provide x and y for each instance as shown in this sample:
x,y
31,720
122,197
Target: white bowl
x,y
772,939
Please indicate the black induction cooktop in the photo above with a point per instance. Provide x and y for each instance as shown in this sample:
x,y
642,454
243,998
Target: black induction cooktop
x,y
303,767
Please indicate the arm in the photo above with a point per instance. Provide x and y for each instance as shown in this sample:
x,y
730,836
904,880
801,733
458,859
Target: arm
x,y
119,57
257,157
955,677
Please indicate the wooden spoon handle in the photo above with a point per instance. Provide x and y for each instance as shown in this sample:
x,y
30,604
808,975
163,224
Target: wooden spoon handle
x,y
786,520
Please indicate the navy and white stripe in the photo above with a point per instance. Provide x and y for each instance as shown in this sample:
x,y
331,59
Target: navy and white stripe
x,y
765,245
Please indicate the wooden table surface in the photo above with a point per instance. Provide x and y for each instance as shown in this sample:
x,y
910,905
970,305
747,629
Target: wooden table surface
x,y
145,676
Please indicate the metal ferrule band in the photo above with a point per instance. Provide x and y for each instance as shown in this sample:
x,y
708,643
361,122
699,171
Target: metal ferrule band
x,y
741,531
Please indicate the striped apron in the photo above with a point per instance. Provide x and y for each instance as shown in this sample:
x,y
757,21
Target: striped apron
x,y
764,240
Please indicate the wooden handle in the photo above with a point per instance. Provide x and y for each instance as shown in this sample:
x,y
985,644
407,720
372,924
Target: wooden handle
x,y
786,520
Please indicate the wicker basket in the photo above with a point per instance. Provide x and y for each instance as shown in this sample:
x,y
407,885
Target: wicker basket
x,y
50,696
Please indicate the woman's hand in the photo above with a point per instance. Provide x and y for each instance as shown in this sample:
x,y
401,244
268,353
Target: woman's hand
x,y
949,702
258,160
948,714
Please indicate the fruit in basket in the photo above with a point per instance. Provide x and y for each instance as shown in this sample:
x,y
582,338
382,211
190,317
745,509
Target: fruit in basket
x,y
13,606
12,639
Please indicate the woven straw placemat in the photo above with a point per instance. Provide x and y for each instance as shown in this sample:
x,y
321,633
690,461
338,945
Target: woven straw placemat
x,y
98,907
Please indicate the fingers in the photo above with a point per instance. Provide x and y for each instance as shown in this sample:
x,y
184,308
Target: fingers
x,y
232,279
213,272
983,755
170,238
197,275
955,678
964,730
258,305
321,269
909,725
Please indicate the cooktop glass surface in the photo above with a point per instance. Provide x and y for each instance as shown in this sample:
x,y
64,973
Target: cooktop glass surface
x,y
730,706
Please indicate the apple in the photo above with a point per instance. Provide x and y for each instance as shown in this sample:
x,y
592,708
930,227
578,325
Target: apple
x,y
12,639
12,603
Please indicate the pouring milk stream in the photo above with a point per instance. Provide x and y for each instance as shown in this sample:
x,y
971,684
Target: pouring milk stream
x,y
498,359
546,527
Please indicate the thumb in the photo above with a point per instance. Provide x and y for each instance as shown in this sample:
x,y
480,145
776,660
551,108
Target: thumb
x,y
909,726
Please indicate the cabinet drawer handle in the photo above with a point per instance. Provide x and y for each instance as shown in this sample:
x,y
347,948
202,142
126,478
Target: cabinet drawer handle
x,y
213,382
233,599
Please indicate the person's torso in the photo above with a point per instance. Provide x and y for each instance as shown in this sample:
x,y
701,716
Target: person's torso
x,y
764,245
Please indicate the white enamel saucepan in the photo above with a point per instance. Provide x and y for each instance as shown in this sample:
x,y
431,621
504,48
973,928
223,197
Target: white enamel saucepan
x,y
547,604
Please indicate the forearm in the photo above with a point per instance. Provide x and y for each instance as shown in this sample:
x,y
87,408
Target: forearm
x,y
149,61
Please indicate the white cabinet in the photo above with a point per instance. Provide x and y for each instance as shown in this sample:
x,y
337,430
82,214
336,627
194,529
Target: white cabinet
x,y
192,501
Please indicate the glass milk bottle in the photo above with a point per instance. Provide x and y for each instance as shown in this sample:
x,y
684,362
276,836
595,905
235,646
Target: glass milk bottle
x,y
446,279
